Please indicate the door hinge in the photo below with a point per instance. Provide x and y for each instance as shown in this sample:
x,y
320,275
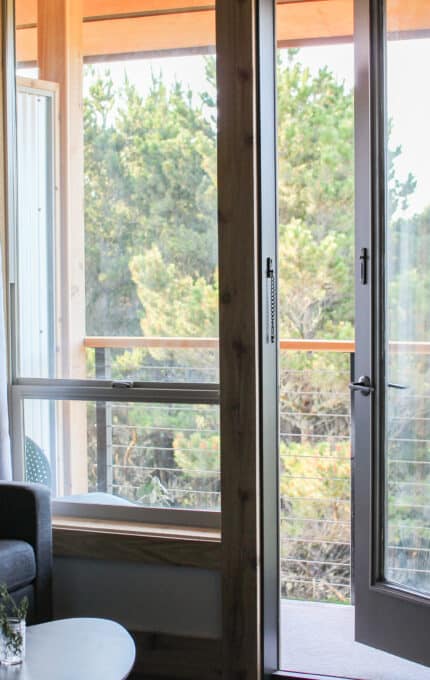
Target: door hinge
x,y
270,302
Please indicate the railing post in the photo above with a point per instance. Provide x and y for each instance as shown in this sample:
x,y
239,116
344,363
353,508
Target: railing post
x,y
352,502
103,425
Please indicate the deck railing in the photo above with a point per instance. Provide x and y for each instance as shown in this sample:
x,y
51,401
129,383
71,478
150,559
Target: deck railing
x,y
180,450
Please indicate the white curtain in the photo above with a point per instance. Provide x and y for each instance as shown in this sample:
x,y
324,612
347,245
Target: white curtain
x,y
5,454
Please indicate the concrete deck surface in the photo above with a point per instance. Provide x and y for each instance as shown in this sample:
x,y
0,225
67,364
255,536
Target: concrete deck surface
x,y
319,638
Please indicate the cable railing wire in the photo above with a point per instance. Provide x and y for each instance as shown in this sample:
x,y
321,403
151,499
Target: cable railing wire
x,y
315,462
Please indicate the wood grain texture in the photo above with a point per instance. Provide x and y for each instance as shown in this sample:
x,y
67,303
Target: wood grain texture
x,y
132,542
238,250
171,343
296,345
168,25
60,61
26,10
132,527
172,656
149,33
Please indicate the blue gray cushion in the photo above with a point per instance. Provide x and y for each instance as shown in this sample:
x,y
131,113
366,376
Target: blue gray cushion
x,y
17,564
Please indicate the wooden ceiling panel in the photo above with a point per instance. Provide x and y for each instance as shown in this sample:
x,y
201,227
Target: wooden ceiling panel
x,y
26,46
299,22
149,34
111,7
409,16
25,12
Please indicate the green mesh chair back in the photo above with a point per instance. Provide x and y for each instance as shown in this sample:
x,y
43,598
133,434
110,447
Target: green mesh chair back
x,y
36,464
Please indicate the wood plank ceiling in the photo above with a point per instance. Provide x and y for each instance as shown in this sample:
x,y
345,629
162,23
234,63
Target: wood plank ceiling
x,y
132,27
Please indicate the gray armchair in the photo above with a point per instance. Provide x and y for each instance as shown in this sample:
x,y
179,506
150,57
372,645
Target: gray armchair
x,y
26,546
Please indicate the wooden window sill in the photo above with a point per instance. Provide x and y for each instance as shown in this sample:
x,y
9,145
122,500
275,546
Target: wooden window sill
x,y
136,542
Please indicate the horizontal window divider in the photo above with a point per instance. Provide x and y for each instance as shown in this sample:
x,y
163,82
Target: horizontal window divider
x,y
204,519
102,390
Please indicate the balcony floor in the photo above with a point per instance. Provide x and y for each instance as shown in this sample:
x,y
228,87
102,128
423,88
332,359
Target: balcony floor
x,y
319,638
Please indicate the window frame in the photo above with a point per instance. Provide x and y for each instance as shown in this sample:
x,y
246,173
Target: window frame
x,y
22,388
240,557
103,391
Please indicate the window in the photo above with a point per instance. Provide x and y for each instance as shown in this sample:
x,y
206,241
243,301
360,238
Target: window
x,y
114,278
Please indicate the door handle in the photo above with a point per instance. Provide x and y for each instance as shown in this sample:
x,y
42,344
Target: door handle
x,y
398,387
362,385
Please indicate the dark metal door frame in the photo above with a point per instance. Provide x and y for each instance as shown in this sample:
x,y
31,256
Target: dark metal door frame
x,y
387,617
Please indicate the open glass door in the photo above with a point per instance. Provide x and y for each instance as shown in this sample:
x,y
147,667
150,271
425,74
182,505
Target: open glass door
x,y
354,546
391,388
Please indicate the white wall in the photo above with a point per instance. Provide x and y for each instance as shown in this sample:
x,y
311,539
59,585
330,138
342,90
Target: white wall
x,y
157,599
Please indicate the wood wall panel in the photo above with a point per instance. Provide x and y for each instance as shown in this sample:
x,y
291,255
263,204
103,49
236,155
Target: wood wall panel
x,y
146,545
171,656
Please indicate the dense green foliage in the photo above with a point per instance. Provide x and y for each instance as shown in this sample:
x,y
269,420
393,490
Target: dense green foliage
x,y
151,270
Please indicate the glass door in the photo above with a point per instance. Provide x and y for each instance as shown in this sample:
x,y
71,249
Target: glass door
x,y
352,150
391,385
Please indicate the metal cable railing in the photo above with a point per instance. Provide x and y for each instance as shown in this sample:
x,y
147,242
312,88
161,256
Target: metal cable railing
x,y
168,455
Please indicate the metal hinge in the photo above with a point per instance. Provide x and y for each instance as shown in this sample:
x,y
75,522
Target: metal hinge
x,y
270,302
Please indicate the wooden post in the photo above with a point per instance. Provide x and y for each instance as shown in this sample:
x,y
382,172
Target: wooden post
x,y
103,426
59,24
239,338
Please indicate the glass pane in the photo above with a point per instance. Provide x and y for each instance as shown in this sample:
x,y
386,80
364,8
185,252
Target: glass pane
x,y
124,280
407,458
316,236
152,455
315,99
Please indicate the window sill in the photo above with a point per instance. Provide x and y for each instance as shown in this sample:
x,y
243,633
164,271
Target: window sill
x,y
136,542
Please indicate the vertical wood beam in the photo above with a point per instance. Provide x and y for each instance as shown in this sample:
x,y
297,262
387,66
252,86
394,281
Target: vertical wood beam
x,y
239,337
60,60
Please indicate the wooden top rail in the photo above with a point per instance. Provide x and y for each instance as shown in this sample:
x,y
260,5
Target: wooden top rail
x,y
163,343
295,345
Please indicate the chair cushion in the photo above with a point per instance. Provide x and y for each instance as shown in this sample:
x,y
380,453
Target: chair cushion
x,y
17,564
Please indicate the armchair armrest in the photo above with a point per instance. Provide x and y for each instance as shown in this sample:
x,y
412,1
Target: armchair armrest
x,y
25,514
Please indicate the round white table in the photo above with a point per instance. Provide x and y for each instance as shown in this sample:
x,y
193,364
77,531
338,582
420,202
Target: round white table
x,y
74,649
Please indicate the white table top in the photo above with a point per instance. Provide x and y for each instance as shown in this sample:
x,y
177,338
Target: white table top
x,y
75,649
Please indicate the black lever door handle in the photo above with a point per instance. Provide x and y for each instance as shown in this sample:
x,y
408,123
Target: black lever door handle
x,y
398,387
362,385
